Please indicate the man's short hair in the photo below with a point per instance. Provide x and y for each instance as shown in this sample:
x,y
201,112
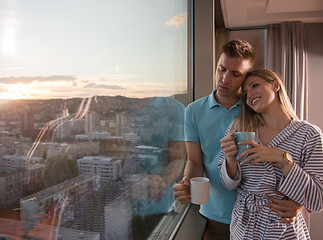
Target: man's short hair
x,y
240,49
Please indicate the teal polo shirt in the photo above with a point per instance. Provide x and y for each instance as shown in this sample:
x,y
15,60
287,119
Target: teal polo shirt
x,y
206,122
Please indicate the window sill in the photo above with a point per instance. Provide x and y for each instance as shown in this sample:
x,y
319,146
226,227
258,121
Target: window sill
x,y
185,223
193,225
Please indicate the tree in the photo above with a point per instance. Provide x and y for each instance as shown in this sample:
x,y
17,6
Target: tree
x,y
58,169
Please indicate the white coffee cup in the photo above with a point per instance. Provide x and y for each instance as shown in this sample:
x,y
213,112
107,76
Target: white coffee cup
x,y
199,190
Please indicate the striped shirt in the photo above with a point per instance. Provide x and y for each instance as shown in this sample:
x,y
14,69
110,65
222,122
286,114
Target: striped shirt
x,y
251,218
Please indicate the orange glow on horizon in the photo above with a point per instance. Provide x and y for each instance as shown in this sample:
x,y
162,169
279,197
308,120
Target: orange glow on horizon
x,y
13,93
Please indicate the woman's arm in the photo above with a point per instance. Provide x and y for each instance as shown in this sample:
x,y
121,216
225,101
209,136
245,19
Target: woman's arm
x,y
303,182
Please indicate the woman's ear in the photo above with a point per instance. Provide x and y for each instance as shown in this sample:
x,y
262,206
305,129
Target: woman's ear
x,y
276,86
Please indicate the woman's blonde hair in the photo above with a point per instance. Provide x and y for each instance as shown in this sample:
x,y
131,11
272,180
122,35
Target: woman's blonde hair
x,y
249,120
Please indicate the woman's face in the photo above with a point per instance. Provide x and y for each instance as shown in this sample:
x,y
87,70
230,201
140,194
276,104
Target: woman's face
x,y
259,94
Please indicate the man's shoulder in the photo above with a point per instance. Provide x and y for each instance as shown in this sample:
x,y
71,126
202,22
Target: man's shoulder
x,y
199,102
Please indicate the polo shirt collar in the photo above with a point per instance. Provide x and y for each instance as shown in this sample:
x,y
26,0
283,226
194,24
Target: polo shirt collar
x,y
212,101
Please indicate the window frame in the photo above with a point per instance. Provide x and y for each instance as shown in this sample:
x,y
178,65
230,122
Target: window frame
x,y
201,67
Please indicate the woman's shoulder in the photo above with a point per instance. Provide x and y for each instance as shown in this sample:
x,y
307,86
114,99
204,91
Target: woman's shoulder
x,y
306,126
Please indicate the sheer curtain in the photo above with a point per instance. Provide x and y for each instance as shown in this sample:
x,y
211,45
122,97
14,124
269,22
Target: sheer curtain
x,y
285,54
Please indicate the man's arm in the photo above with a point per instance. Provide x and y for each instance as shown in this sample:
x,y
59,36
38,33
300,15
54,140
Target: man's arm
x,y
194,168
287,209
176,162
158,184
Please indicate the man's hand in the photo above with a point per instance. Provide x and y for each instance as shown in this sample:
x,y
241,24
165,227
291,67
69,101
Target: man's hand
x,y
146,186
182,191
157,187
287,209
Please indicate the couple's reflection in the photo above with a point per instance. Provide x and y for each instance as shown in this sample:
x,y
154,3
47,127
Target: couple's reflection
x,y
157,159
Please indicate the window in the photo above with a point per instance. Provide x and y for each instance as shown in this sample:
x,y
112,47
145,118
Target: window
x,y
92,99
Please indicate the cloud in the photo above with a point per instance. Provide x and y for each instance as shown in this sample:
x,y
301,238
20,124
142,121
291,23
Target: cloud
x,y
121,77
177,20
103,86
26,80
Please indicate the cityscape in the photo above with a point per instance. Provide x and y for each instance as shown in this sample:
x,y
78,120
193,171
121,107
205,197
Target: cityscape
x,y
67,166
82,120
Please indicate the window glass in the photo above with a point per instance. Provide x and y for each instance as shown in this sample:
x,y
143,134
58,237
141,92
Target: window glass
x,y
92,99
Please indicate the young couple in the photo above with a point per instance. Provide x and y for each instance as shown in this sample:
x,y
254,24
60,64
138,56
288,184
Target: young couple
x,y
287,155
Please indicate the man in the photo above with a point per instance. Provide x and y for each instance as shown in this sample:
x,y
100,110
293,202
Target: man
x,y
206,121
160,152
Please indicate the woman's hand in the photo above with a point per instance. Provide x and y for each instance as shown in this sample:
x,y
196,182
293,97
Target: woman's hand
x,y
260,153
229,146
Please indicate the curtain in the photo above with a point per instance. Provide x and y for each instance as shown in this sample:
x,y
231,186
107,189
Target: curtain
x,y
286,55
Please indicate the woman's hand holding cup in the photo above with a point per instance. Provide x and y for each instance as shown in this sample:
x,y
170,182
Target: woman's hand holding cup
x,y
229,146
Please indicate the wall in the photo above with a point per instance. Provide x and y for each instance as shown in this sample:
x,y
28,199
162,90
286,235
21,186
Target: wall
x,y
203,48
315,86
315,72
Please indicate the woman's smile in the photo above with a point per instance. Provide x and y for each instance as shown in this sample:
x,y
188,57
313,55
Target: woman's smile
x,y
255,100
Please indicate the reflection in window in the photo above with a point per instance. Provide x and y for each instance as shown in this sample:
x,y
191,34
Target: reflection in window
x,y
92,99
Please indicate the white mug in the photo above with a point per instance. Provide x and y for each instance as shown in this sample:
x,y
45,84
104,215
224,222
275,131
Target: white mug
x,y
199,190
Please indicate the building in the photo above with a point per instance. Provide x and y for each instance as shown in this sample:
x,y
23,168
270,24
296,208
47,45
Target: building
x,y
14,162
117,219
92,122
16,177
131,137
11,187
105,167
57,203
27,123
74,150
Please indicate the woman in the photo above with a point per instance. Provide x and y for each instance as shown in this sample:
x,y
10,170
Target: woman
x,y
287,156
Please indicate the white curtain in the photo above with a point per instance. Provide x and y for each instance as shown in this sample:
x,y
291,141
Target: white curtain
x,y
285,54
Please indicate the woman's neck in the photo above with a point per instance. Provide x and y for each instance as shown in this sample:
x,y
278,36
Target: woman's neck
x,y
274,122
276,119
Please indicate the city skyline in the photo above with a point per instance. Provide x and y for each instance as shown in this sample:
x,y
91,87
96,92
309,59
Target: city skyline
x,y
87,87
55,50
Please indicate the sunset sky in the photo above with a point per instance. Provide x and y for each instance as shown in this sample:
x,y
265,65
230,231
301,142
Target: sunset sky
x,y
81,48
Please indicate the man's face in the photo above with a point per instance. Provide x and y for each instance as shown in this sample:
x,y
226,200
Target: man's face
x,y
230,74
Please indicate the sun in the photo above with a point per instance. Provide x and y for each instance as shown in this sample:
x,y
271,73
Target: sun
x,y
12,92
